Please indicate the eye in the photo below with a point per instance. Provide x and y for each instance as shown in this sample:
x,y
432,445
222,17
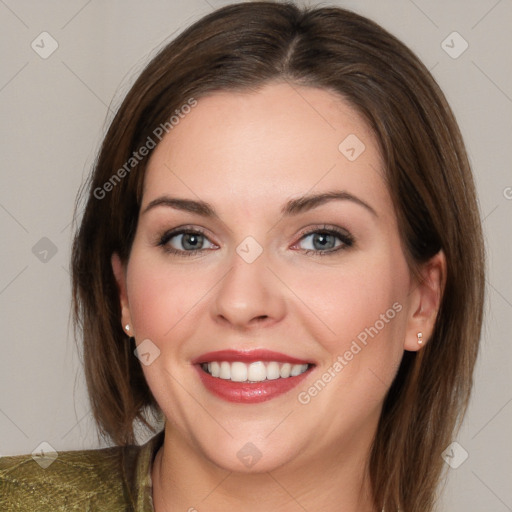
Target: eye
x,y
185,242
325,241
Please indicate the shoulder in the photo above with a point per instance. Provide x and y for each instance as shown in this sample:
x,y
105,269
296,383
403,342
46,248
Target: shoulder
x,y
113,479
72,479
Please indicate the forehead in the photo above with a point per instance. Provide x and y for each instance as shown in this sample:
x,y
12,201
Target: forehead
x,y
262,147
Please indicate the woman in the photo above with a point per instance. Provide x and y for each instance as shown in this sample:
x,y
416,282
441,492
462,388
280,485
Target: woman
x,y
281,256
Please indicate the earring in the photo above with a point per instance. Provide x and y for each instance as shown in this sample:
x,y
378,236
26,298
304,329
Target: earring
x,y
127,327
420,338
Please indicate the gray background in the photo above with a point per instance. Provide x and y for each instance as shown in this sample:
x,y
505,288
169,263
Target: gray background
x,y
54,111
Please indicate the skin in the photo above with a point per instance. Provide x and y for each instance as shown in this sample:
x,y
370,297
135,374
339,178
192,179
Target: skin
x,y
247,154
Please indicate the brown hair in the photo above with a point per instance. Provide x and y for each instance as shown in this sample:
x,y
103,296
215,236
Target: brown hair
x,y
243,47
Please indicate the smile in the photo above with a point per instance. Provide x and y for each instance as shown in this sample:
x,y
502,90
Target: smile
x,y
253,372
250,376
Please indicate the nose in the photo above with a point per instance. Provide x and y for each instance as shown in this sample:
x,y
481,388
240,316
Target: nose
x,y
249,295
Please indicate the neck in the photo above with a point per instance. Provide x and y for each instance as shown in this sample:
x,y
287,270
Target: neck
x,y
333,481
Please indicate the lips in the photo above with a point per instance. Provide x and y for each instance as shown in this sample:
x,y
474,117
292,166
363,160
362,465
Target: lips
x,y
248,356
250,376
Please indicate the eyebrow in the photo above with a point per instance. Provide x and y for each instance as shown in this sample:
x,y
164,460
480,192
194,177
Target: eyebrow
x,y
304,203
292,207
187,205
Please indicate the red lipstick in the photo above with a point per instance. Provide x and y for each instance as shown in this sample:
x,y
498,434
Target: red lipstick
x,y
247,356
249,392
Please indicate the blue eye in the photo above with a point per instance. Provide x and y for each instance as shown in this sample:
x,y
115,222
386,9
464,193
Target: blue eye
x,y
320,242
325,241
185,242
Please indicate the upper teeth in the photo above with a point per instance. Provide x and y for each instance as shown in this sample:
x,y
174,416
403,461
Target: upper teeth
x,y
253,372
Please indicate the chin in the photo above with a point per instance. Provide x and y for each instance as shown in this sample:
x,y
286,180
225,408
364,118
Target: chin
x,y
249,455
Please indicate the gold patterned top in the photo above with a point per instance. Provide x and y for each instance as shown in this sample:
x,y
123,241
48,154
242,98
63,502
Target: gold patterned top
x,y
109,479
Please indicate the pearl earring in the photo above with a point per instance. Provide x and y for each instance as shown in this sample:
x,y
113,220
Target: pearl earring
x,y
127,327
420,338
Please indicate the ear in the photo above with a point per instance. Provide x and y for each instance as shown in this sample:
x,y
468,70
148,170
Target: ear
x,y
119,270
425,299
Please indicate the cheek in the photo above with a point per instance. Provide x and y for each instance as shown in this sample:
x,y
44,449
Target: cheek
x,y
163,301
363,311
359,307
158,296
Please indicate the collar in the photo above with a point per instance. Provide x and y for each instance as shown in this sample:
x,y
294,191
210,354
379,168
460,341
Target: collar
x,y
137,465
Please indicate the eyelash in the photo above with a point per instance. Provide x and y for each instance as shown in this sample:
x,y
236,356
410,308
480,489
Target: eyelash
x,y
346,239
164,239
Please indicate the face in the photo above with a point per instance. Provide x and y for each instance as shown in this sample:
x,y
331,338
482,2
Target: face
x,y
268,275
